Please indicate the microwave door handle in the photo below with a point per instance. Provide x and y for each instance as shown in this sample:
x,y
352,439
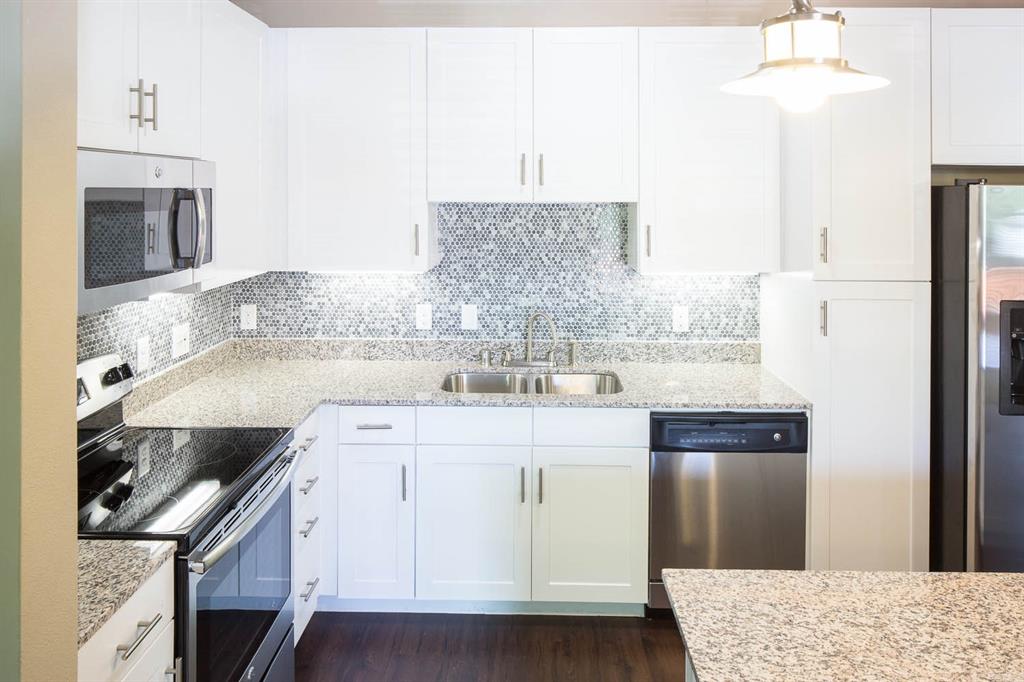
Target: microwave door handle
x,y
203,220
172,228
201,561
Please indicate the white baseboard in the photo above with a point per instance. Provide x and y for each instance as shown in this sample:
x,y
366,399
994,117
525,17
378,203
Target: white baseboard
x,y
334,604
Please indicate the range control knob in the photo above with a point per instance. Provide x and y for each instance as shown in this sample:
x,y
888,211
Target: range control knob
x,y
777,437
113,376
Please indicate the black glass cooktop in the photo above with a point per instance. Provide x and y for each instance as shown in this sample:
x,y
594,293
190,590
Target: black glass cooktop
x,y
163,482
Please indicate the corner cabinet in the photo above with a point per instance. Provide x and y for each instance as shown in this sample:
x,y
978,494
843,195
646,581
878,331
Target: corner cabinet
x,y
122,43
357,143
709,161
585,114
871,459
872,156
978,87
590,524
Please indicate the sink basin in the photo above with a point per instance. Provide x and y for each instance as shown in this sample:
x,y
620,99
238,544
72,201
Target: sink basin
x,y
576,384
544,384
486,382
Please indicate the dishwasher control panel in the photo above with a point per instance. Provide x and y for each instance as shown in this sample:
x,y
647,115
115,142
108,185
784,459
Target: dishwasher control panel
x,y
729,433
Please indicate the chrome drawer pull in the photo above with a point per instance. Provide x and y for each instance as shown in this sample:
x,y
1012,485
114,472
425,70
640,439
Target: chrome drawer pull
x,y
310,525
147,627
403,483
373,427
309,443
310,482
312,588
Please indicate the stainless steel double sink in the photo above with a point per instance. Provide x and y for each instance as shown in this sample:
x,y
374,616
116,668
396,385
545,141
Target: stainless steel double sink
x,y
598,383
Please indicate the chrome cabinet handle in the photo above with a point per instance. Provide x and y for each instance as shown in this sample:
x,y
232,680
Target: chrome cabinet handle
x,y
648,237
540,170
312,588
140,102
416,239
126,650
522,169
403,483
152,119
373,427
310,482
175,672
824,318
309,443
522,485
824,245
540,486
310,525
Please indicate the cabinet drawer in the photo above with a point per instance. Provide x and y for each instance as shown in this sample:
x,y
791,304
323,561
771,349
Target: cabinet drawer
x,y
99,658
592,426
474,425
156,662
308,529
378,424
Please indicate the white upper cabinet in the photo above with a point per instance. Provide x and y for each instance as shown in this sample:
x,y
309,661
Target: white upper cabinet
x,y
232,134
585,114
123,42
108,67
169,62
480,114
357,195
709,161
872,169
978,87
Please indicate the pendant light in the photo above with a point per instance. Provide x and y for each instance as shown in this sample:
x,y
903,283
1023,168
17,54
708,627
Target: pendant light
x,y
803,61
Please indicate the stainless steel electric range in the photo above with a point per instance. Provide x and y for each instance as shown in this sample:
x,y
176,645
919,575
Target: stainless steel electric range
x,y
224,496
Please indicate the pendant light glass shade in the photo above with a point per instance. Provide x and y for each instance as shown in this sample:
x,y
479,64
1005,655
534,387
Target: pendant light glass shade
x,y
803,61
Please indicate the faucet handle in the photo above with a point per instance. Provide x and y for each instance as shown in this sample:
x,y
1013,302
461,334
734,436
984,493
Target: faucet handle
x,y
485,357
574,348
506,358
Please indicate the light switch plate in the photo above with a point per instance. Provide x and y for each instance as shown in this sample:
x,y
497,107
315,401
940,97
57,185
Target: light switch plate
x,y
247,316
142,458
143,359
180,438
424,316
680,318
470,319
181,342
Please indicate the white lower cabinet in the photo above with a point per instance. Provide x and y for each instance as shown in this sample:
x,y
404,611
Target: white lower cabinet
x,y
308,521
473,522
155,664
376,521
590,524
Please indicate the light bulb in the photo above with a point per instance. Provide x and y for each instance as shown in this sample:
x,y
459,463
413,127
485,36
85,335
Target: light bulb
x,y
801,102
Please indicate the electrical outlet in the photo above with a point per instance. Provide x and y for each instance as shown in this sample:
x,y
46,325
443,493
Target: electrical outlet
x,y
180,438
247,317
142,356
680,319
142,458
181,342
424,316
469,316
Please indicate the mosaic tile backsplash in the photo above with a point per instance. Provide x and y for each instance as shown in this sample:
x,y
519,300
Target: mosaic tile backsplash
x,y
509,259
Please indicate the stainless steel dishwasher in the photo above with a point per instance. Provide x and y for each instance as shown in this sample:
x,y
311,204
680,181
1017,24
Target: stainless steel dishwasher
x,y
727,491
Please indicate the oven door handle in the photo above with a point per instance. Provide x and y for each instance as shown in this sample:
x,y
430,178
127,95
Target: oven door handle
x,y
200,562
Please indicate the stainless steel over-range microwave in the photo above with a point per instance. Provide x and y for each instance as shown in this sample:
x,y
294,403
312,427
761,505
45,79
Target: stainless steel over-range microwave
x,y
145,226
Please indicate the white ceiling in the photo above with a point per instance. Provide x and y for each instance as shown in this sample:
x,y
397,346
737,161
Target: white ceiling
x,y
286,13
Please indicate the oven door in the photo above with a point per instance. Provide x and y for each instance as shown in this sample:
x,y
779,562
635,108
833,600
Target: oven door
x,y
141,227
240,585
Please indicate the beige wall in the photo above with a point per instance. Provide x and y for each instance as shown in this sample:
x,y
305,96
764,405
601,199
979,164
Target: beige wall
x,y
49,599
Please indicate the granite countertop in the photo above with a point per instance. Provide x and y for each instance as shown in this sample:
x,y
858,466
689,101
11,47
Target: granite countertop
x,y
109,572
281,392
844,625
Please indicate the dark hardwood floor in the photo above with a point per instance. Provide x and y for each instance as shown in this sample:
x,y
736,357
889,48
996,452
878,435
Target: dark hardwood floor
x,y
426,647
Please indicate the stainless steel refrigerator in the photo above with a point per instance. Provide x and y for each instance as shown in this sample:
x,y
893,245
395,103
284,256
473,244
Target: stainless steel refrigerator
x,y
977,496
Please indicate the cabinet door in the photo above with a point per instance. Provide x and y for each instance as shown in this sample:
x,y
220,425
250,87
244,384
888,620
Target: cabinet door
x,y
709,161
585,114
479,114
872,197
170,42
233,42
108,65
376,512
870,463
357,149
590,524
154,663
978,87
473,522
